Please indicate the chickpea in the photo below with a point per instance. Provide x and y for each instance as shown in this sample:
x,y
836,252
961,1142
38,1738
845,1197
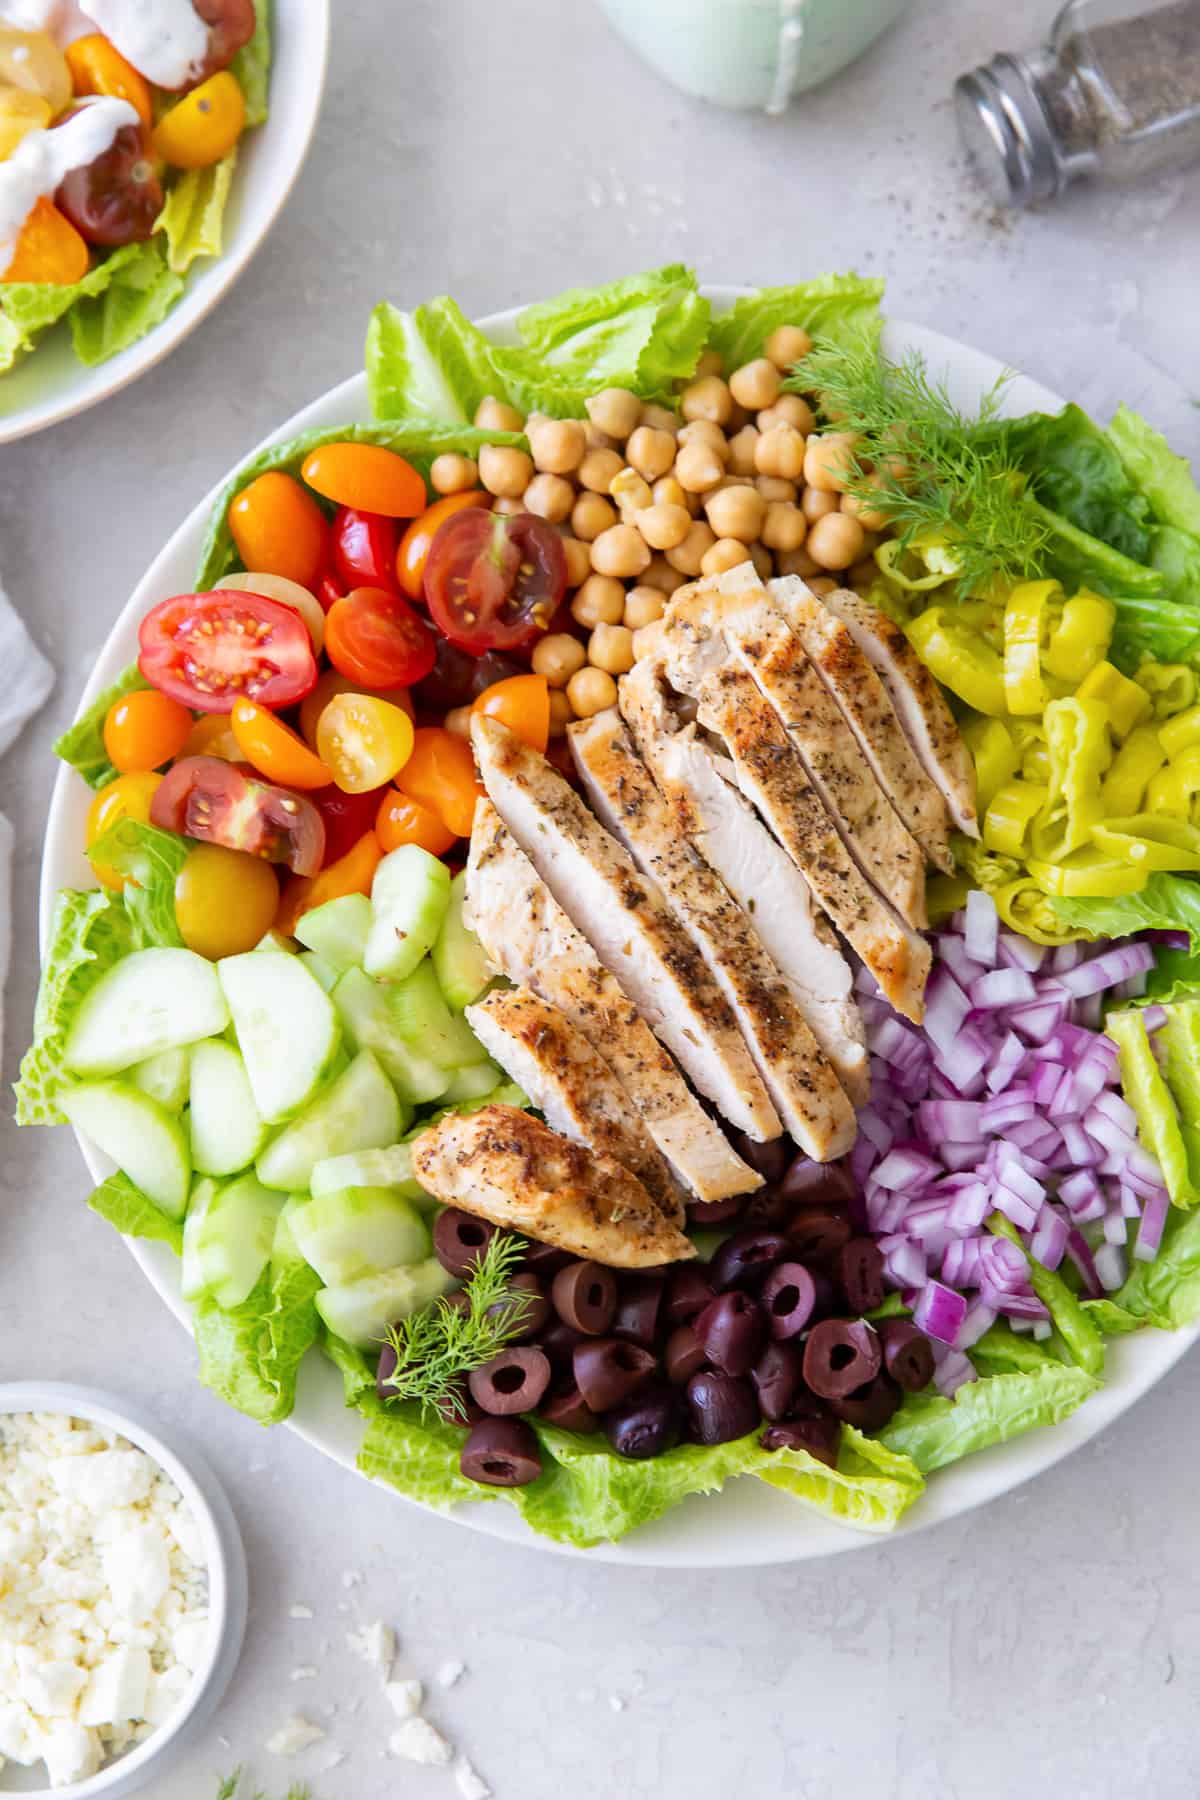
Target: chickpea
x,y
785,526
709,398
663,526
510,505
789,409
711,363
561,712
599,440
698,468
660,574
496,415
550,497
458,720
600,601
868,516
827,460
659,418
737,512
816,502
739,417
642,606
741,450
610,647
621,550
820,585
667,492
796,562
505,471
591,691
760,556
836,541
450,474
780,452
755,384
614,410
557,657
703,431
651,451
597,470
726,553
631,492
686,557
786,345
579,561
558,445
773,487
590,515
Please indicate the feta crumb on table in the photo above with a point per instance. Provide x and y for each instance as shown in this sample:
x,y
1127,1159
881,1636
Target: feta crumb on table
x,y
470,1782
404,1697
375,1643
450,1672
420,1742
295,1734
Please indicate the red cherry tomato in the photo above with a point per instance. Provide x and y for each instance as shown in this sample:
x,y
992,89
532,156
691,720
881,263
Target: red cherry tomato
x,y
115,199
231,25
202,797
378,640
413,553
492,582
208,650
364,549
346,818
328,589
456,678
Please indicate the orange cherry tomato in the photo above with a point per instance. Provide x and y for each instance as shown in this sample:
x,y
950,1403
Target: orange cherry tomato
x,y
279,529
274,749
49,249
440,773
145,730
378,640
363,741
97,67
204,126
523,704
413,552
403,820
366,477
351,874
128,797
333,682
212,735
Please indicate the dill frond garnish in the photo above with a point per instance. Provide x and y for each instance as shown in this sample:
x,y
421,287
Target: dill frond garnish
x,y
435,1347
935,473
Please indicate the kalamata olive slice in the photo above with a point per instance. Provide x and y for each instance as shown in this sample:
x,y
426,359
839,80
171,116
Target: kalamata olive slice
x,y
683,1356
907,1354
501,1453
869,1408
860,1273
808,1183
788,1297
817,1233
769,1160
546,1259
559,1341
585,1297
383,1373
688,1292
777,1379
767,1210
525,1298
115,199
732,1330
742,1260
608,1370
460,1240
458,1407
569,1411
646,1424
512,1382
841,1355
720,1407
818,1435
639,1306
709,1215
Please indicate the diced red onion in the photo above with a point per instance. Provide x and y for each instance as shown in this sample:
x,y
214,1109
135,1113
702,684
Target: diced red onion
x,y
1116,1226
1001,987
939,1311
1154,1017
953,1372
980,1317
1017,952
1080,1253
1110,1266
1049,1243
946,1007
982,929
1037,1022
1153,1221
1112,968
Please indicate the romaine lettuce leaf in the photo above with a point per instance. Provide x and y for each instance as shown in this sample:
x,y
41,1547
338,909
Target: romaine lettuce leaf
x,y
1177,1040
432,362
1153,468
124,1205
1002,1351
137,297
250,1354
1077,1331
934,1431
194,211
1075,471
831,306
82,744
1166,903
151,860
252,65
1165,1292
31,307
91,932
358,1377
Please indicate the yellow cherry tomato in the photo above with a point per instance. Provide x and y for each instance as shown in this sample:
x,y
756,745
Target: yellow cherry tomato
x,y
49,249
97,67
20,113
212,735
225,900
204,126
350,874
128,797
33,61
145,730
368,477
334,682
288,593
274,749
363,741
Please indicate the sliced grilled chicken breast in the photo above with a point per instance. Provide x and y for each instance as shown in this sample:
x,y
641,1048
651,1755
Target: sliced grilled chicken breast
x,y
807,1094
927,720
571,1085
529,937
698,783
625,919
857,688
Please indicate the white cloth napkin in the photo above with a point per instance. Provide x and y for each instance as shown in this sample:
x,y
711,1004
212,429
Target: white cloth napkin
x,y
26,679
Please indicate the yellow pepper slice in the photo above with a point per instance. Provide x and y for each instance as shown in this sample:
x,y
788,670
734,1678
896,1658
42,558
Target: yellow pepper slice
x,y
1025,626
1080,752
1127,703
1180,733
1085,873
1024,908
960,660
1081,636
1174,789
1171,687
1008,819
1139,758
995,754
888,558
1150,841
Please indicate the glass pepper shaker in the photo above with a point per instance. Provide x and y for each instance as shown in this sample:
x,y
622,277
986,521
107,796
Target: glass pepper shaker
x,y
1114,94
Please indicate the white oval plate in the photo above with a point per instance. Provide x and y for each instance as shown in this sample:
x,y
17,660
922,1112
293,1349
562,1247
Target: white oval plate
x,y
50,384
748,1523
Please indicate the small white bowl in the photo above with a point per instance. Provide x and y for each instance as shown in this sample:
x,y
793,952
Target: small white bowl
x,y
225,1559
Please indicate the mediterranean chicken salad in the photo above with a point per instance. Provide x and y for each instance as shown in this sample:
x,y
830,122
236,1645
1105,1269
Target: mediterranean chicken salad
x,y
646,909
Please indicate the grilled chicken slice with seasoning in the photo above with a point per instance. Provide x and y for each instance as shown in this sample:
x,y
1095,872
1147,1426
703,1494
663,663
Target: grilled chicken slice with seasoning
x,y
927,720
807,1094
698,783
504,1165
857,688
528,936
571,1086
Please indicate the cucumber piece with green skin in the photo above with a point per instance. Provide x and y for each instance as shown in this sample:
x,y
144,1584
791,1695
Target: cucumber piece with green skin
x,y
390,1167
231,1239
462,969
426,1023
151,1001
285,1251
359,1231
361,1311
364,1007
287,1029
319,969
142,1137
275,940
475,1081
226,1126
338,931
359,1111
410,892
204,1192
165,1077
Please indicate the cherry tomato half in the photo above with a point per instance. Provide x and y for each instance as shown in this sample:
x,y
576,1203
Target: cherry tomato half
x,y
225,901
231,25
205,798
378,640
456,678
331,683
523,704
493,581
288,593
364,549
145,730
208,650
97,67
116,198
353,873
402,820
413,552
346,816
367,477
363,741
274,749
440,773
128,797
48,249
212,735
204,126
279,527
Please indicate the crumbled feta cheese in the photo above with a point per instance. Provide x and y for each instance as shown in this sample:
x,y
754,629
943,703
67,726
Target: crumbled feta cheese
x,y
450,1672
352,1578
306,1672
105,1480
71,1751
118,1687
294,1735
300,1612
616,1702
404,1697
189,1641
420,1742
137,1569
470,1782
375,1643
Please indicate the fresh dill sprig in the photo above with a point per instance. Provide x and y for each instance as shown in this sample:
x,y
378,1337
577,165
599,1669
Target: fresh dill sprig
x,y
933,472
435,1347
230,1785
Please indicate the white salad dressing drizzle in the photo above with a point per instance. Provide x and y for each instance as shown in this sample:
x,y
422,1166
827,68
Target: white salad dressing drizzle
x,y
43,158
163,39
29,15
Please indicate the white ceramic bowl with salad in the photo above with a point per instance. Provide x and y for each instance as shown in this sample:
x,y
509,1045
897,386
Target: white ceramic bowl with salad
x,y
749,1522
148,310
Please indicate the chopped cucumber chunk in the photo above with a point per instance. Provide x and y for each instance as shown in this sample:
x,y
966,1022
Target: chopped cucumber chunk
x,y
338,931
152,1000
364,1007
142,1137
203,1194
390,1167
286,1028
275,940
359,1111
462,969
359,1231
409,895
426,1023
361,1311
227,1127
165,1077
284,1248
475,1081
320,970
230,1240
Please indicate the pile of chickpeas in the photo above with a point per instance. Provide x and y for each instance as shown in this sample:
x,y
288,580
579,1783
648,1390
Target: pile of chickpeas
x,y
647,499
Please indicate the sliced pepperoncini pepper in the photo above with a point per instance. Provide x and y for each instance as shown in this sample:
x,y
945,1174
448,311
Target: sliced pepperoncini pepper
x,y
1026,627
1150,841
959,659
1008,819
1087,872
1174,789
1080,752
1127,703
1181,732
1024,907
1171,687
995,754
1139,758
1080,637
